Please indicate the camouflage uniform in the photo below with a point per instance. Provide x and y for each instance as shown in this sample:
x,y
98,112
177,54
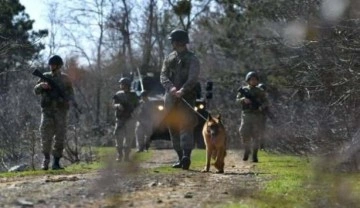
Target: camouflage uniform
x,y
124,127
181,70
54,114
144,125
252,119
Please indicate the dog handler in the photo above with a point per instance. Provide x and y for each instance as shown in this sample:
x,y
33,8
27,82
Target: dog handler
x,y
179,75
253,101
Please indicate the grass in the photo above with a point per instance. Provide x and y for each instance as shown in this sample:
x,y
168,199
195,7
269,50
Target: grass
x,y
286,177
291,181
103,154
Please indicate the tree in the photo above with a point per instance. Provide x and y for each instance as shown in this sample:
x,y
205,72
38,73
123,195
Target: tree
x,y
18,44
301,51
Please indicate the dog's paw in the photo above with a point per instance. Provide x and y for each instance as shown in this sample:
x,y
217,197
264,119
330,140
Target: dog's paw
x,y
205,170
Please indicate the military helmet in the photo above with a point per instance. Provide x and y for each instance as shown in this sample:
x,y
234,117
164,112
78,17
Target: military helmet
x,y
56,60
250,75
125,81
179,36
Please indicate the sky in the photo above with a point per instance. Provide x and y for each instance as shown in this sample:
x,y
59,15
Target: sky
x,y
37,10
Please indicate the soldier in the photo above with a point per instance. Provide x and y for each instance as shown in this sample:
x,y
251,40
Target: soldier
x,y
54,112
179,75
253,101
144,124
124,103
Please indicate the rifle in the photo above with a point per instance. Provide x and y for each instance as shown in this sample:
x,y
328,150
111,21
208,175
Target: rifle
x,y
140,79
57,89
256,104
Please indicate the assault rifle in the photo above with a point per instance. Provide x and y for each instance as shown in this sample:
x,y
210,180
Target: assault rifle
x,y
57,89
256,104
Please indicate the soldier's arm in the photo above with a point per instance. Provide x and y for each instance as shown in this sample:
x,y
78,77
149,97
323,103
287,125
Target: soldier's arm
x,y
193,77
39,87
240,98
164,76
116,103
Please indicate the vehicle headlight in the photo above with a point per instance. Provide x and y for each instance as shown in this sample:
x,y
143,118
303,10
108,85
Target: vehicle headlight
x,y
196,108
201,106
160,107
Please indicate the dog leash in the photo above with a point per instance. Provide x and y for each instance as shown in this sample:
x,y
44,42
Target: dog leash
x,y
188,104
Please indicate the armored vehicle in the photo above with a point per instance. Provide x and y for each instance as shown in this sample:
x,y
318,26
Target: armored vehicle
x,y
151,83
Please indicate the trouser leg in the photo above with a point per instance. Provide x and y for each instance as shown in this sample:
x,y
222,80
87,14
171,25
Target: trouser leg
x,y
139,135
47,131
255,149
246,149
56,164
119,140
46,161
175,138
60,134
129,138
187,144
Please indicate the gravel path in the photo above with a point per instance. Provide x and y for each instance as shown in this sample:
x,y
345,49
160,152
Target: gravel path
x,y
134,186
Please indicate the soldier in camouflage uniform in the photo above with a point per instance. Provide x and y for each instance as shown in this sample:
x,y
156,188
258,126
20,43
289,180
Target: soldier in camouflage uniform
x,y
253,101
144,124
179,75
54,113
124,103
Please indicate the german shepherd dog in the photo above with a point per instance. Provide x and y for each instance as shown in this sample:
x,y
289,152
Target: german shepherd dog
x,y
215,140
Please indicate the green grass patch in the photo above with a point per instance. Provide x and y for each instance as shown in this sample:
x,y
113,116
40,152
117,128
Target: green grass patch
x,y
287,184
102,156
291,181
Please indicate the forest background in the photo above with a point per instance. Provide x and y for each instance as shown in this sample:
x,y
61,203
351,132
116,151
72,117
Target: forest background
x,y
306,53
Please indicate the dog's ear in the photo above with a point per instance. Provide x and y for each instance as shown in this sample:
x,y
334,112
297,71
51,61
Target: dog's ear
x,y
209,117
218,117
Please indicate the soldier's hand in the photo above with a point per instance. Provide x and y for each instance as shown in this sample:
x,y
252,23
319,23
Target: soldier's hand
x,y
179,93
45,86
247,101
173,91
118,106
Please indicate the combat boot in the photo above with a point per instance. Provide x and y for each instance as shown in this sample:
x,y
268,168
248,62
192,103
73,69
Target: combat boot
x,y
246,154
119,155
186,159
56,164
46,161
178,164
254,155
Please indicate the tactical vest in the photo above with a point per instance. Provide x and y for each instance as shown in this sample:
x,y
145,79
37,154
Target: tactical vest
x,y
51,98
179,66
128,100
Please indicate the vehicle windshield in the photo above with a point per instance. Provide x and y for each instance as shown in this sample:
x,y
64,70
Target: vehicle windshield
x,y
151,84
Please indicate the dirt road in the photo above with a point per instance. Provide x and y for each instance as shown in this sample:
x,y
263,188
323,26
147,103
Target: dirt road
x,y
135,186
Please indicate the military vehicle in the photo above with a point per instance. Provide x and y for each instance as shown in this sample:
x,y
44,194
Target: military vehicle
x,y
151,83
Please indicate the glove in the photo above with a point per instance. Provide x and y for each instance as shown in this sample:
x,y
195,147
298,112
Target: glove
x,y
119,107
